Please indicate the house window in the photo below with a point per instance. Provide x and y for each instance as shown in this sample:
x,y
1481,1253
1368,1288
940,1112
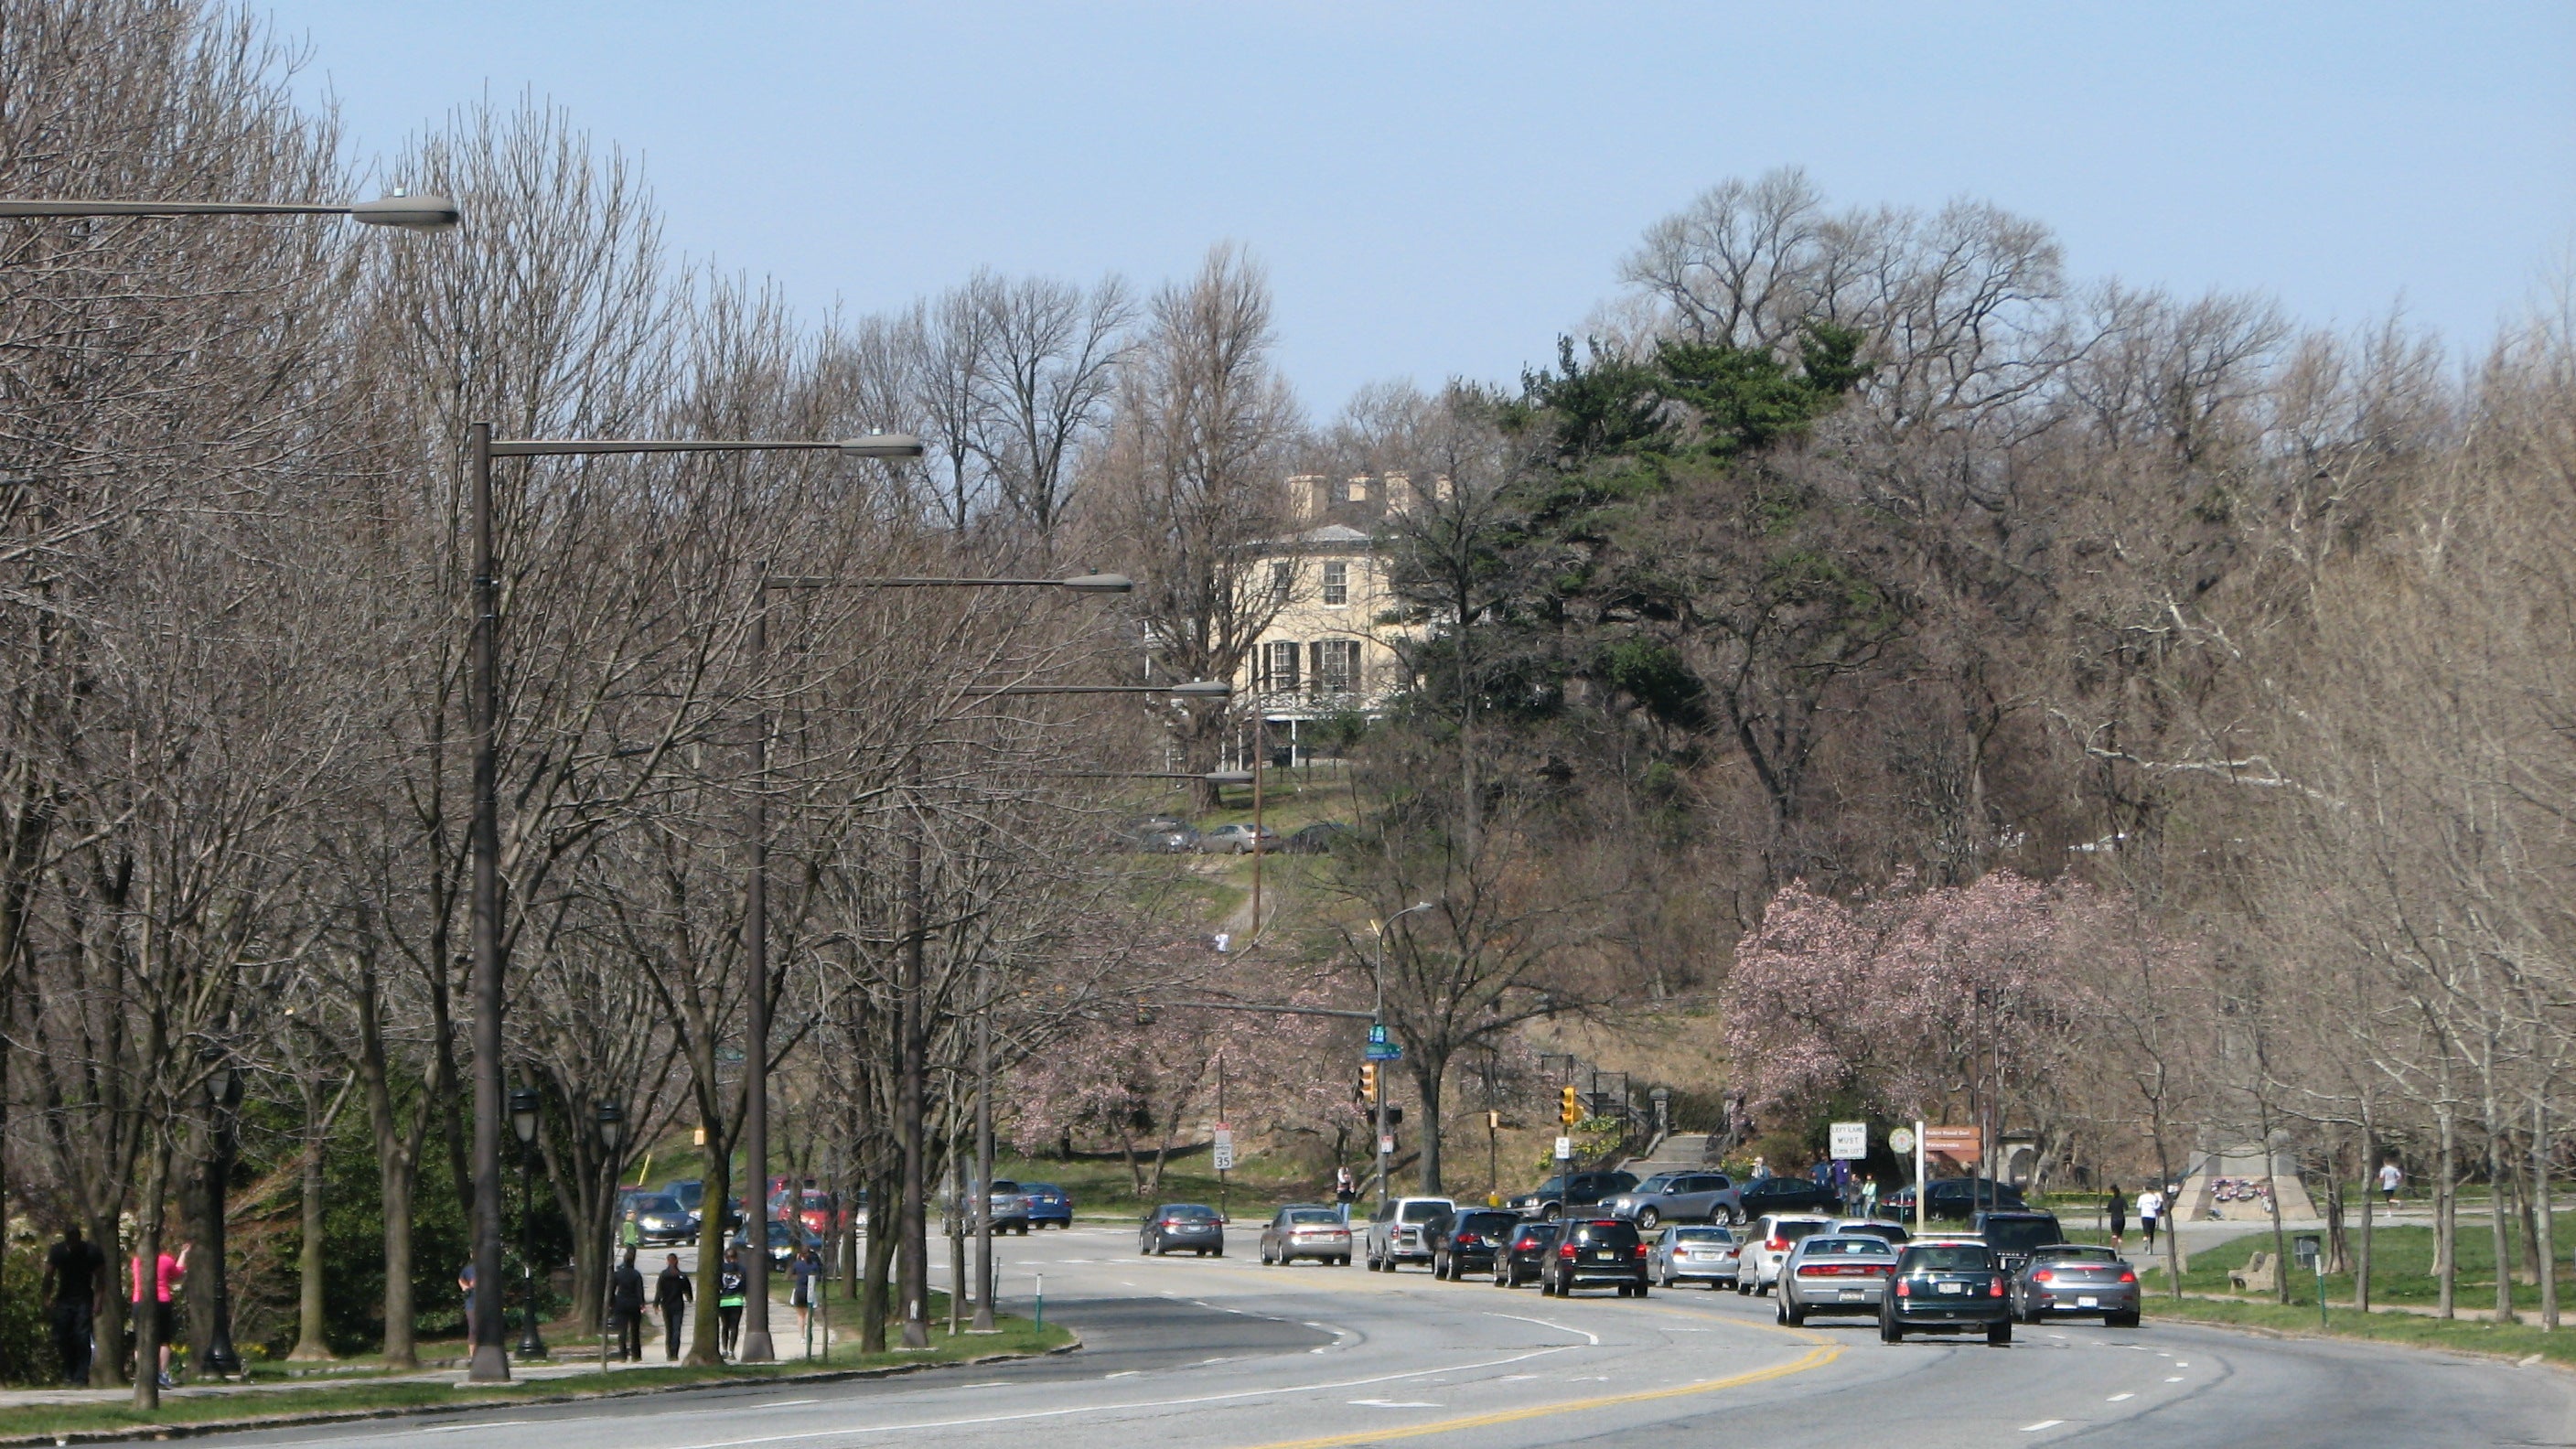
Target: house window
x,y
1279,666
1282,576
1359,490
1337,666
1337,583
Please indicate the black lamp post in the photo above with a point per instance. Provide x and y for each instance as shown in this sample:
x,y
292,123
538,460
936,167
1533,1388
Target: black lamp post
x,y
523,1123
611,1122
221,1357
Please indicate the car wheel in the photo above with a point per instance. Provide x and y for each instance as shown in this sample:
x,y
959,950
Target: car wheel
x,y
2119,1320
1888,1332
1265,1255
1999,1335
1668,1282
1641,1290
1735,1217
1343,1261
1743,1286
1216,1252
1647,1218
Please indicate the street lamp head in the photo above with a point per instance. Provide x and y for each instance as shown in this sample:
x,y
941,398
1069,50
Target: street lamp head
x,y
882,445
612,1125
523,1114
418,213
1202,689
1099,583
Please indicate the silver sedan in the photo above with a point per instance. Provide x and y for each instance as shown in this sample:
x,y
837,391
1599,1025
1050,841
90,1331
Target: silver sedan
x,y
1834,1273
1688,1254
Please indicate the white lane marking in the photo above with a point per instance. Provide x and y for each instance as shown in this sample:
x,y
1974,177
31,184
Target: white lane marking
x,y
1514,1378
2042,1424
1589,1337
783,1403
1589,1379
1133,1405
1123,1374
2182,1365
2115,1398
1396,1403
479,1424
2175,1379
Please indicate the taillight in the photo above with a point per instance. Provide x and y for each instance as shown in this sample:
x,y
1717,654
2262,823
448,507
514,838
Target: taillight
x,y
1641,1250
1904,1289
1994,1287
2043,1276
1565,1250
1525,1245
1778,1245
1812,1272
2128,1276
1171,1222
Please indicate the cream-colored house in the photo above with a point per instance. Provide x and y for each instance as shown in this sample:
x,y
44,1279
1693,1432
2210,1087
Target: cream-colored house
x,y
1328,651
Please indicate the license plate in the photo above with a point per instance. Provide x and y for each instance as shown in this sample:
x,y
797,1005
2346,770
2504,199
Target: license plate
x,y
1851,1295
1610,1256
1954,1287
2088,1302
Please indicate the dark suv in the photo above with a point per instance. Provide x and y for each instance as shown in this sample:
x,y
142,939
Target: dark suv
x,y
1952,1199
1464,1241
1571,1192
1530,1246
1592,1252
2011,1235
1945,1286
1784,1195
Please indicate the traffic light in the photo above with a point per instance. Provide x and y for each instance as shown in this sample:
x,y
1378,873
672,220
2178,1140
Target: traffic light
x,y
1569,1108
1368,1080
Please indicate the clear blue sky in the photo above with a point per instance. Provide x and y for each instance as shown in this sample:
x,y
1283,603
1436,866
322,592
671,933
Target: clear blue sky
x,y
1440,189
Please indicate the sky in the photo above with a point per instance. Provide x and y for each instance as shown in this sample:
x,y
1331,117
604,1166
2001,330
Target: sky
x,y
1441,190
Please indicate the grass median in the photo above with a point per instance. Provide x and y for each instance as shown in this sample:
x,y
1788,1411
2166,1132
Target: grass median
x,y
2511,1340
114,1416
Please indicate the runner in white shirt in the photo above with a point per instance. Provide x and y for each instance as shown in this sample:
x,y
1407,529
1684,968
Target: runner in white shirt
x,y
2151,1206
2389,1178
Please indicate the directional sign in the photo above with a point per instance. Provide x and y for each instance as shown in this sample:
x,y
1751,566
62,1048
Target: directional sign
x,y
1224,1150
1961,1143
1377,1031
1850,1140
1901,1140
1383,1051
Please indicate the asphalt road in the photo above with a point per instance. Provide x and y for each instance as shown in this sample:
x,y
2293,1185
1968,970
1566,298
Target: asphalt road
x,y
1184,1353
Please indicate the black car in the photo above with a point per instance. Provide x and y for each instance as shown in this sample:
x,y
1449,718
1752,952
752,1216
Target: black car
x,y
1519,1263
2011,1235
1952,1199
1784,1195
1188,1225
1594,1251
1946,1286
1465,1241
1315,839
1571,1192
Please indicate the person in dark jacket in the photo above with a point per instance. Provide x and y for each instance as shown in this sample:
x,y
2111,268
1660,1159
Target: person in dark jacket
x,y
671,1295
626,1303
2117,1209
732,1281
72,1271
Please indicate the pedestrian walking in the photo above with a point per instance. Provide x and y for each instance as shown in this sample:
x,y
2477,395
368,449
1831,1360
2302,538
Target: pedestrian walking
x,y
465,1285
671,1295
805,1276
1869,1198
1346,1190
630,1233
2118,1209
626,1304
72,1271
2390,1178
2151,1206
731,1282
167,1270
1761,1170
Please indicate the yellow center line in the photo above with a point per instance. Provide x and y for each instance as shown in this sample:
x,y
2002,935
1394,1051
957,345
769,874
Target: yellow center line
x,y
1813,1359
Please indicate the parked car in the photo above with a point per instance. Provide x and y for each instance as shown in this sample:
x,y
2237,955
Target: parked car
x,y
1786,1195
1695,1253
1834,1273
1315,839
1160,835
786,1240
811,1208
1194,1226
1571,1193
2061,1279
1680,1197
1951,1199
1049,1205
1306,1230
1465,1241
1593,1251
1945,1285
659,1219
2012,1234
1774,1234
1519,1263
1395,1231
691,1192
1238,840
1009,1205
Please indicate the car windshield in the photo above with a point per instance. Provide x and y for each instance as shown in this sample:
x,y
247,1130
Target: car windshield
x,y
1487,1222
1035,1188
1312,1215
1698,1235
1662,1182
1848,1248
2075,1255
1000,1188
1190,1211
1537,1233
1791,1229
659,1204
1606,1234
1423,1212
2020,1235
689,1194
1946,1258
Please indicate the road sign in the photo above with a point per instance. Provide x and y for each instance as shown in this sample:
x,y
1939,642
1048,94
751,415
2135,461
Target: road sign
x,y
1224,1150
1962,1143
1377,1031
1386,1147
1383,1051
1564,1147
1901,1140
1850,1140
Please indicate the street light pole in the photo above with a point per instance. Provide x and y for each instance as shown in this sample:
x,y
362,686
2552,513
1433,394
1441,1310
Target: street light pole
x,y
222,1085
523,1124
490,1363
1385,1158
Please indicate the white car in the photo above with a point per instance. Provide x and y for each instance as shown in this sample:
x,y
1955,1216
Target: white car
x,y
1767,1246
1395,1232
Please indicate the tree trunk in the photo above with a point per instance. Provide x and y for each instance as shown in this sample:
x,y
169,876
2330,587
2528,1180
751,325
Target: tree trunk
x,y
143,1270
1427,1076
310,1343
2446,1214
2545,1251
876,1292
2370,1151
704,1345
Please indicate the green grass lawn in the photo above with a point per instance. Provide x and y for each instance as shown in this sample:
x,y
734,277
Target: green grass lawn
x,y
35,1424
2514,1340
2401,1267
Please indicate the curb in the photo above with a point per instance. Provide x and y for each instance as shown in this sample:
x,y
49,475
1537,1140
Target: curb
x,y
2291,1335
353,1416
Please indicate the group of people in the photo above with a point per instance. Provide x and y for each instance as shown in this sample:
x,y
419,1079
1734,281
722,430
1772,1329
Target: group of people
x,y
2151,1211
73,1268
673,1293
